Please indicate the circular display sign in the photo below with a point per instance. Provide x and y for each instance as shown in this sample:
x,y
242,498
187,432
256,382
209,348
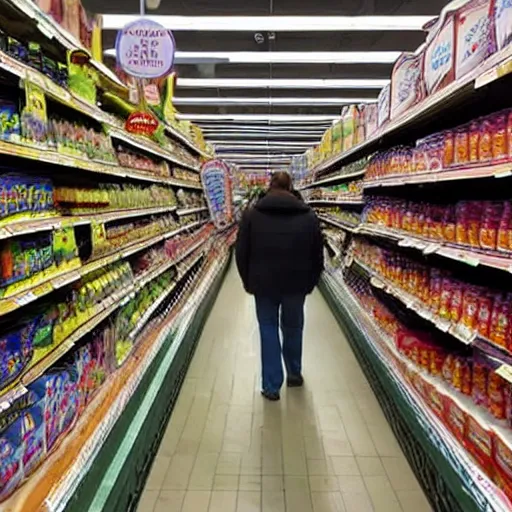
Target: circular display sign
x,y
145,49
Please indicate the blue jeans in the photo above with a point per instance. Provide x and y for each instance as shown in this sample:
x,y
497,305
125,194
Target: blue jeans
x,y
292,324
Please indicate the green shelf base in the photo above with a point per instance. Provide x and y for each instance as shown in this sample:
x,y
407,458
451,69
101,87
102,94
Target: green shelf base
x,y
117,486
445,488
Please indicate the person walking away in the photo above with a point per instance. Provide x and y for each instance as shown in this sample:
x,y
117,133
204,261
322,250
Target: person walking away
x,y
279,255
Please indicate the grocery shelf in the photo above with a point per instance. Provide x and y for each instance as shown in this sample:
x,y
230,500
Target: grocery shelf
x,y
423,112
184,140
33,225
110,168
339,178
52,30
447,472
100,472
343,225
189,211
457,331
500,170
100,313
55,282
465,255
348,200
148,145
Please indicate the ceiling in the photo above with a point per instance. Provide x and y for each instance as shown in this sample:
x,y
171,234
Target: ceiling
x,y
267,140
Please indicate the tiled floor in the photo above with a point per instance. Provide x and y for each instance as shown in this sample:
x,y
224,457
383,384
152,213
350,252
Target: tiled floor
x,y
324,448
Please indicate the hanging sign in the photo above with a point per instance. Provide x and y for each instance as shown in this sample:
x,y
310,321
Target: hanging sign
x,y
145,49
218,190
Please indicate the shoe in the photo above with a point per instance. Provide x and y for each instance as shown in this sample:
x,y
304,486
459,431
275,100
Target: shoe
x,y
295,381
273,397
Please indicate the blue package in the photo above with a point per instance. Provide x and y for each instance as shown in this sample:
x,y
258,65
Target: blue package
x,y
11,472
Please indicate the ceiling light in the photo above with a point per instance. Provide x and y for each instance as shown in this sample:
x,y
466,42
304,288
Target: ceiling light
x,y
283,83
275,23
384,57
257,117
263,135
183,100
245,156
262,143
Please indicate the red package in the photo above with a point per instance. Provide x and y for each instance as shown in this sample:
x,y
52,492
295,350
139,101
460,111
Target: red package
x,y
485,145
455,307
496,395
500,320
462,219
456,418
500,148
448,149
474,141
462,145
509,132
485,307
479,387
505,229
448,368
502,455
437,358
449,224
490,223
474,219
445,299
479,442
434,399
469,318
461,377
436,286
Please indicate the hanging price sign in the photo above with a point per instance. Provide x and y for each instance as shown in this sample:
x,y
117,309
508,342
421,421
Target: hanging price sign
x,y
218,190
145,49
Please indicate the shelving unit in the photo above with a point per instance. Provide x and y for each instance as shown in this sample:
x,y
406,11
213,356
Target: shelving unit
x,y
411,226
123,268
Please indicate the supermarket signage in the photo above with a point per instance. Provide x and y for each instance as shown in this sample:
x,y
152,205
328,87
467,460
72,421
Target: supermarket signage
x,y
145,49
141,123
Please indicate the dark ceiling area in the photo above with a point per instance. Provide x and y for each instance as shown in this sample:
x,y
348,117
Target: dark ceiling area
x,y
212,101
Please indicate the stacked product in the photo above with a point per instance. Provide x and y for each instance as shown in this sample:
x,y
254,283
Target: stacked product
x,y
461,387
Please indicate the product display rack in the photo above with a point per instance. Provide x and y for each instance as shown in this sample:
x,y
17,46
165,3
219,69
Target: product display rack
x,y
432,176
110,264
448,475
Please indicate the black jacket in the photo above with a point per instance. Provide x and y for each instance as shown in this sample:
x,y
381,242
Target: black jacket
x,y
279,249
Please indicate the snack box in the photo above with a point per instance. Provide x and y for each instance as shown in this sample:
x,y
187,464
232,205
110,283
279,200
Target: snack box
x,y
455,417
502,457
501,18
479,441
407,87
439,61
384,106
475,38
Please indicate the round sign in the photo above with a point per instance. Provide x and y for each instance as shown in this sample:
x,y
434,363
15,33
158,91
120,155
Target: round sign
x,y
145,49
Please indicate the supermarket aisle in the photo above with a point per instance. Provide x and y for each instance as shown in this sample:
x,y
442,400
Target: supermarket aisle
x,y
324,448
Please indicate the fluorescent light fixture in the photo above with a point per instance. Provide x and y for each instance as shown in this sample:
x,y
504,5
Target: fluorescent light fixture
x,y
276,23
266,128
384,57
221,144
183,100
237,157
314,138
282,83
283,118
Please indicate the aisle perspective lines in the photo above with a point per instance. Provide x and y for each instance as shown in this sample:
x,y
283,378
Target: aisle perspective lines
x,y
326,447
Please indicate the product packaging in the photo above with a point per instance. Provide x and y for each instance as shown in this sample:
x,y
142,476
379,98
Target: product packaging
x,y
439,67
407,82
384,106
475,40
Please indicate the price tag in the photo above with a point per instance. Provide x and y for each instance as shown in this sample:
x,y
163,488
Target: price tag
x,y
4,233
462,333
470,260
443,324
503,174
505,371
25,299
405,242
425,313
431,248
